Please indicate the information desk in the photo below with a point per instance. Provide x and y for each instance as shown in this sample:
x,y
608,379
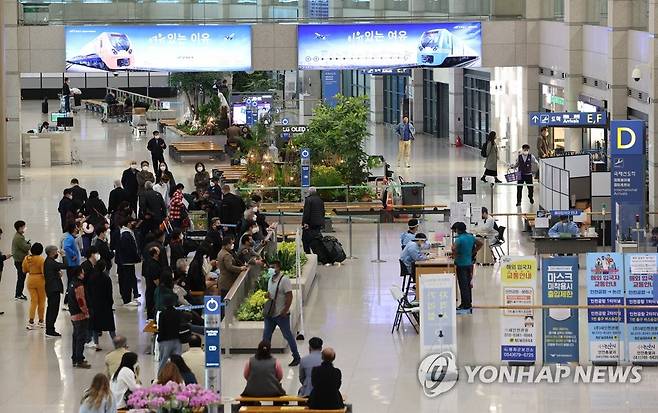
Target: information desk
x,y
553,245
60,146
437,265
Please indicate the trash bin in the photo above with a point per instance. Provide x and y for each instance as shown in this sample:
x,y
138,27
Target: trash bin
x,y
412,195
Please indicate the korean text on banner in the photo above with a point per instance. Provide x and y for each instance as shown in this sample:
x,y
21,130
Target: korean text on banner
x,y
641,324
605,286
560,287
518,281
438,326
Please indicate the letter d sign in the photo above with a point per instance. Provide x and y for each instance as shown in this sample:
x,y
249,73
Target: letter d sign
x,y
629,141
627,137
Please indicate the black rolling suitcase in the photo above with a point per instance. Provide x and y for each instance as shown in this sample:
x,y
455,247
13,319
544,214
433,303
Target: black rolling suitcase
x,y
328,249
44,106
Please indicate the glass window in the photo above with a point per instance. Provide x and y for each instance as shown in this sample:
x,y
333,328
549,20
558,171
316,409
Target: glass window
x,y
476,107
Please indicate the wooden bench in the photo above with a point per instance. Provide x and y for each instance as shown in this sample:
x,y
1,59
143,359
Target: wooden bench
x,y
231,173
277,409
198,149
290,401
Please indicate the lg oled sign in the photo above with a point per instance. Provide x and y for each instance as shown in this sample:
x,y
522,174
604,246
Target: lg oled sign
x,y
158,48
366,46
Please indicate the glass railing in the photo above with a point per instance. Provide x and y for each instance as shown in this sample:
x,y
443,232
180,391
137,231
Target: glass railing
x,y
210,11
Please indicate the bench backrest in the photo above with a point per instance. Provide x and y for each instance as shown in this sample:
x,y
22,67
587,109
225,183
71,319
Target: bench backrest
x,y
279,409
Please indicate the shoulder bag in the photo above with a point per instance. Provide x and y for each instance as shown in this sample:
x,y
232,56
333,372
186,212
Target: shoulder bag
x,y
268,308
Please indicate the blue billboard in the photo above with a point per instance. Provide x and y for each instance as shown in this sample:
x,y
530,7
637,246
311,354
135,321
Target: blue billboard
x,y
158,48
392,45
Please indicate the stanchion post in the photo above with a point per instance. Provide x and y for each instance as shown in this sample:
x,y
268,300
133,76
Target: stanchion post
x,y
379,230
507,234
349,231
283,228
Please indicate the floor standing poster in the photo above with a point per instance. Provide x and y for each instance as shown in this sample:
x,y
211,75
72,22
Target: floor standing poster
x,y
605,286
438,326
641,324
560,287
518,280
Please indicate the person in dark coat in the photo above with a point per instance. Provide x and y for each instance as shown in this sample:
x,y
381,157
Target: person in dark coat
x,y
129,182
151,270
66,209
104,248
176,248
232,208
79,196
95,210
214,237
156,145
312,219
52,272
100,293
326,380
163,170
151,202
117,196
215,191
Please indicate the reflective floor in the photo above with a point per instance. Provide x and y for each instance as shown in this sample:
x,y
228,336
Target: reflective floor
x,y
350,308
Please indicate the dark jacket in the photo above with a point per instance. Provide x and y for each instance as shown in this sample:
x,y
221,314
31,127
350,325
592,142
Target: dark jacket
x,y
152,202
177,251
100,291
169,325
66,90
52,274
117,196
196,280
156,146
79,198
201,180
214,238
326,380
95,210
127,252
162,296
313,211
129,182
232,209
106,254
66,210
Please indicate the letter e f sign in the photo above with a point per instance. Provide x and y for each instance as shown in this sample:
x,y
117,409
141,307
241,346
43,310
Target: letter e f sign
x,y
620,140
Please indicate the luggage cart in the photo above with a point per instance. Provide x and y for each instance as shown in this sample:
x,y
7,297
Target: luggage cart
x,y
198,225
113,112
139,124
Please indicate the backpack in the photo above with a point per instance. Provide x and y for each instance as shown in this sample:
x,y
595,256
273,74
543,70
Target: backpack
x,y
483,149
333,251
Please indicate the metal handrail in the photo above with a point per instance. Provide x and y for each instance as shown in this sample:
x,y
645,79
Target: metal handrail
x,y
123,94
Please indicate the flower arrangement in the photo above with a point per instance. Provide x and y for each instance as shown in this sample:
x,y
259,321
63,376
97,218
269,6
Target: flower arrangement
x,y
172,397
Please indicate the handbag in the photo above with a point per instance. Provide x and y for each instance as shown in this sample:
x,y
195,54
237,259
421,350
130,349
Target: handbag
x,y
268,308
513,175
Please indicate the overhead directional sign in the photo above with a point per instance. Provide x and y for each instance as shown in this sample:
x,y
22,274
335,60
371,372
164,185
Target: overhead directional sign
x,y
569,119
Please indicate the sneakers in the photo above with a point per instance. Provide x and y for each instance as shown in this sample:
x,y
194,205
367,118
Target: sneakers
x,y
83,365
483,179
464,310
20,297
41,324
518,204
91,344
498,181
65,307
133,303
31,326
54,334
294,362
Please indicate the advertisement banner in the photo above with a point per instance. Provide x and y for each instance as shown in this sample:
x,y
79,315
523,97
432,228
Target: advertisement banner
x,y
158,48
628,186
438,325
560,287
330,86
605,286
518,281
390,45
642,324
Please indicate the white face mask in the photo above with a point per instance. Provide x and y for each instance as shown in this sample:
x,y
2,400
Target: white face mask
x,y
145,168
255,209
525,153
254,230
231,246
199,169
255,217
133,166
97,256
163,168
212,184
271,272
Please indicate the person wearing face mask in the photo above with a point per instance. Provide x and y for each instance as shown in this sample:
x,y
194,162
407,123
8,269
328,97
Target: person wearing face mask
x,y
247,253
162,171
229,268
214,236
524,164
177,209
127,256
117,196
66,209
100,293
543,146
491,163
201,178
52,272
103,246
232,208
215,191
156,145
162,187
71,255
143,177
130,185
253,230
260,218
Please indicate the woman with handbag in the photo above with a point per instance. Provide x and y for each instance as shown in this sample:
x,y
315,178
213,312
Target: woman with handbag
x,y
124,381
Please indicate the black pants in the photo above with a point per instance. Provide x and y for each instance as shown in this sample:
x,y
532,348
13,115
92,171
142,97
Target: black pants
x,y
525,179
80,332
149,293
132,199
52,309
69,281
157,159
67,104
127,282
309,235
464,276
20,279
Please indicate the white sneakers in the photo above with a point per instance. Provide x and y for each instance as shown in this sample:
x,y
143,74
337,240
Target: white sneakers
x,y
90,344
31,326
133,303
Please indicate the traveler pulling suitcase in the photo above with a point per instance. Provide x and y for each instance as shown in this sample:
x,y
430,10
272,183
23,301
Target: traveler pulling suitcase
x,y
328,249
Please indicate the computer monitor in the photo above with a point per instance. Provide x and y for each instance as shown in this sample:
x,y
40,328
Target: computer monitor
x,y
56,115
65,121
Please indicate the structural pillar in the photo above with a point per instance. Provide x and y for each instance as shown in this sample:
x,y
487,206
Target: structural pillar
x,y
652,146
619,22
574,18
531,89
456,105
416,94
10,101
376,99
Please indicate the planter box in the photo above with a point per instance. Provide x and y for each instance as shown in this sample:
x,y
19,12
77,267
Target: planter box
x,y
154,114
244,336
219,139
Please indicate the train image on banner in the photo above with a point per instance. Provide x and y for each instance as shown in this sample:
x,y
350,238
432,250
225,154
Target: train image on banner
x,y
441,48
108,51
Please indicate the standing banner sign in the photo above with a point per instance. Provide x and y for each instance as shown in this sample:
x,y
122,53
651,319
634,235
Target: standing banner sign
x,y
438,325
212,314
330,86
628,187
518,280
605,286
641,324
560,287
